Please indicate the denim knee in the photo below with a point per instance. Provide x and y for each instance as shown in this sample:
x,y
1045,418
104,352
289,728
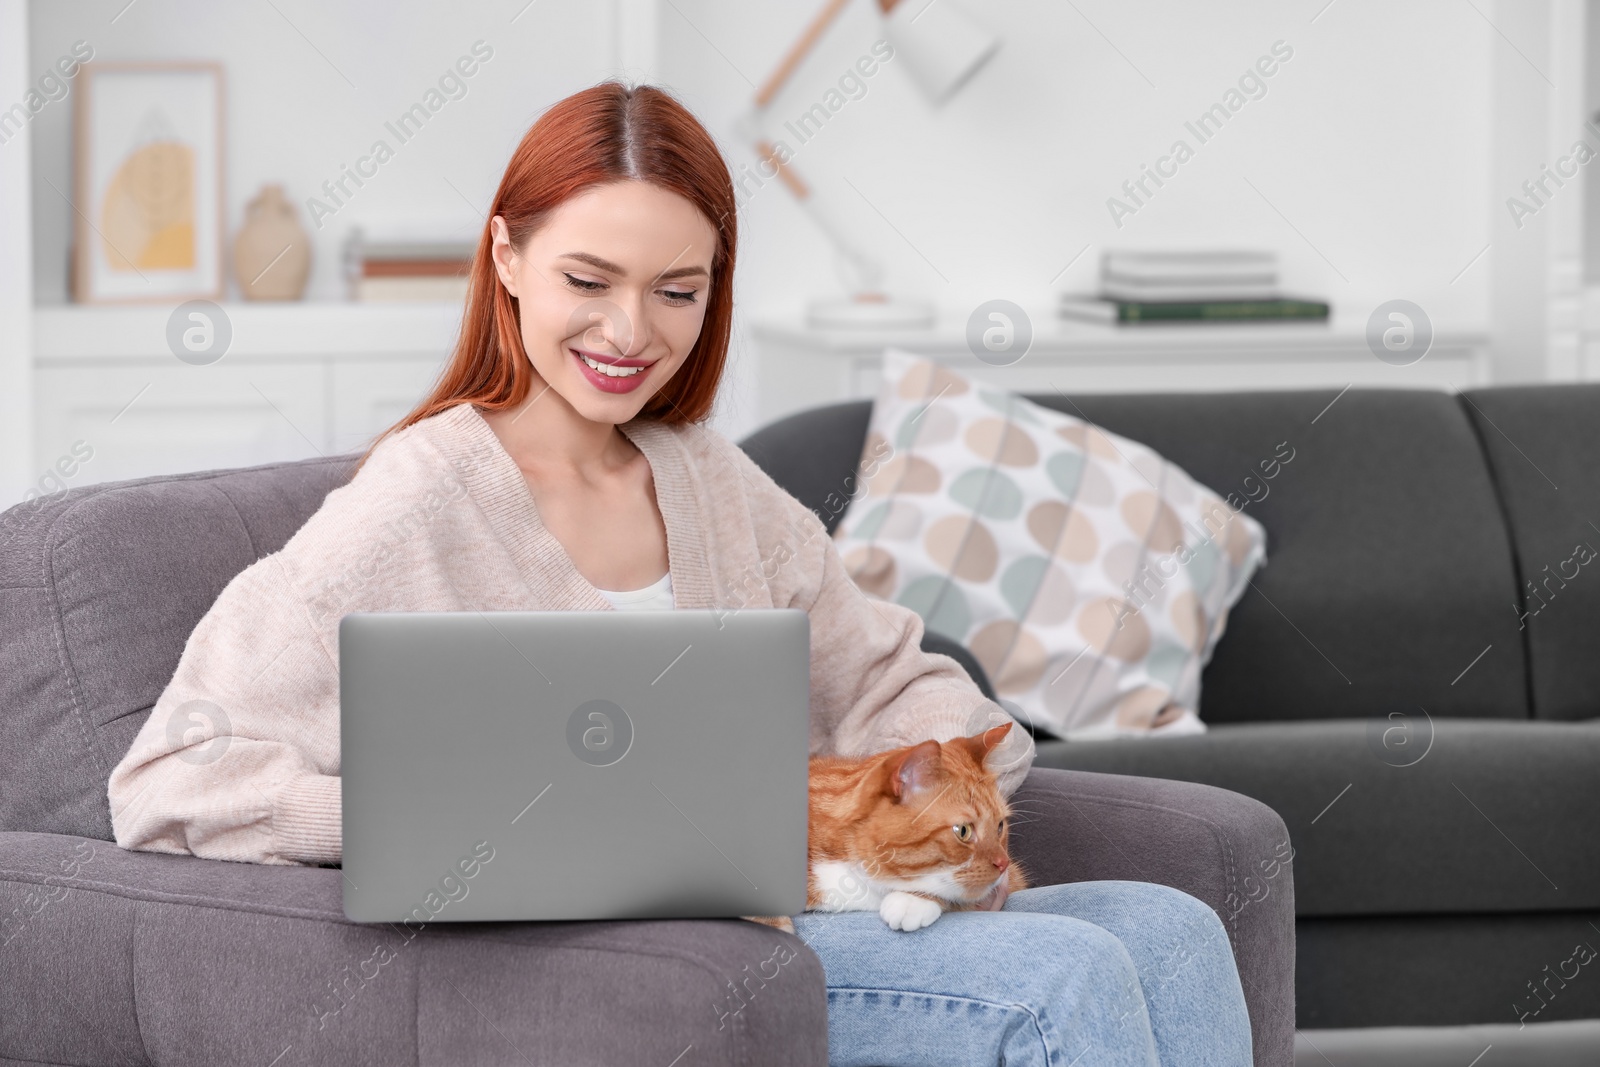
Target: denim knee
x,y
1031,989
1096,965
1182,952
1199,930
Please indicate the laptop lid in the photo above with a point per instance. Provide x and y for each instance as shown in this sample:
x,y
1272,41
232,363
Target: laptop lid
x,y
574,764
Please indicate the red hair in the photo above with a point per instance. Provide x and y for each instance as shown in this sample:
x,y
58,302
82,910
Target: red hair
x,y
607,133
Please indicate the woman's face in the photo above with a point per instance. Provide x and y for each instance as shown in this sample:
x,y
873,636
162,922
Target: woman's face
x,y
617,278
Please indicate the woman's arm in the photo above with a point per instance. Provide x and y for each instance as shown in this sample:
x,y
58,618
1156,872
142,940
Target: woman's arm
x,y
239,758
872,686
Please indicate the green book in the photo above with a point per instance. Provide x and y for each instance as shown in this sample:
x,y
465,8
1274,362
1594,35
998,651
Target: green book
x,y
1106,309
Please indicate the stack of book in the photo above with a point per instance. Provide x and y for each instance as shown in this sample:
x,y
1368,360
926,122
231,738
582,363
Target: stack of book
x,y
1196,286
407,266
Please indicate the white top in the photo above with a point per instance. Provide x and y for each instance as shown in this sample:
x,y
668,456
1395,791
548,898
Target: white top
x,y
656,596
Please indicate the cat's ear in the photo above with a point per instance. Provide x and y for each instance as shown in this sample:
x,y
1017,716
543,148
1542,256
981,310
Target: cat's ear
x,y
986,742
914,769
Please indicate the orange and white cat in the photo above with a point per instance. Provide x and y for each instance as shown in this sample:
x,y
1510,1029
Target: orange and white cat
x,y
910,833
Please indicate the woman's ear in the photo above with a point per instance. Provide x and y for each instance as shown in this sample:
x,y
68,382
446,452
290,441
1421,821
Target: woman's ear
x,y
505,256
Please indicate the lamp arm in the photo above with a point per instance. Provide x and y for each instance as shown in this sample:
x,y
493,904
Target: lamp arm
x,y
791,60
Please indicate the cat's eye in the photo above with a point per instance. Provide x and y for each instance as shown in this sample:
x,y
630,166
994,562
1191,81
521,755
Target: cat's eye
x,y
963,832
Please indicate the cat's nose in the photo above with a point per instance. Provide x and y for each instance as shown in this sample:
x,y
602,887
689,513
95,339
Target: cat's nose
x,y
1002,862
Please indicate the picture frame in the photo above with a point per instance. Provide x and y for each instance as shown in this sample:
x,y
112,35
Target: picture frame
x,y
148,183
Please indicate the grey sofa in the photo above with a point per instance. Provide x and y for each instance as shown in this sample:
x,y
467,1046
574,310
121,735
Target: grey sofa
x,y
1412,681
116,958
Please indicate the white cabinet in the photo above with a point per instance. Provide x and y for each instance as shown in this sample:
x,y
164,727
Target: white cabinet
x,y
298,380
367,396
154,419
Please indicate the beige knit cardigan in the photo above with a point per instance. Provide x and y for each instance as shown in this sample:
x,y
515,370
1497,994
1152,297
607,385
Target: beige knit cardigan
x,y
239,759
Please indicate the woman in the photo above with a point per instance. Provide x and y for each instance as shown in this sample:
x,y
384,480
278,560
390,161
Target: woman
x,y
560,463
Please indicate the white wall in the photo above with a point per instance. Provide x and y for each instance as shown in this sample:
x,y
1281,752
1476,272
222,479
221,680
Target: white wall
x,y
1591,107
16,278
1520,66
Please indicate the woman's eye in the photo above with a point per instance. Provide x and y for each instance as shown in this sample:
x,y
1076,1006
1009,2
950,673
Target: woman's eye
x,y
581,284
675,297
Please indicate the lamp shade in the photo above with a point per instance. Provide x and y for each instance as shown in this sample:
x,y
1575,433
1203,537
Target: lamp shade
x,y
939,43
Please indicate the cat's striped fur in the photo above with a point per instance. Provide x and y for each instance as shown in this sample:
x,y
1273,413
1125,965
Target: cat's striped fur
x,y
910,833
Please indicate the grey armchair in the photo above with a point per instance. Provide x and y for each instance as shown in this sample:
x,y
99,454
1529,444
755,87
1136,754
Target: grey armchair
x,y
115,957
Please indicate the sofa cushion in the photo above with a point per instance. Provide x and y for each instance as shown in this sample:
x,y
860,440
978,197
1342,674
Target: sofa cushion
x,y
1543,444
1091,576
100,588
1396,815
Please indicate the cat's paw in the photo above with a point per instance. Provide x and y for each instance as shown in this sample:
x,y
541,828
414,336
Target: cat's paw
x,y
907,911
781,922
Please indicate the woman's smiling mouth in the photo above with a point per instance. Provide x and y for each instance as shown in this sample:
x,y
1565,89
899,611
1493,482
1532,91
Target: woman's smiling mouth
x,y
611,374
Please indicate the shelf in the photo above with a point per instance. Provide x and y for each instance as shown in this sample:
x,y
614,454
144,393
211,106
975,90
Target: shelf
x,y
800,366
1055,337
77,333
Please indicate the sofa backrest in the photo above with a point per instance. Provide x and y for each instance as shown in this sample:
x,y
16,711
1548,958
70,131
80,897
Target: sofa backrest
x,y
100,588
1543,444
1388,572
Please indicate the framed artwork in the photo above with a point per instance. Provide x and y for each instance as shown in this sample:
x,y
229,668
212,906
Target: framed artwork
x,y
148,183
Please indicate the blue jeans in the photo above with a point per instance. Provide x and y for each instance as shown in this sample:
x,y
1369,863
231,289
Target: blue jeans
x,y
1089,974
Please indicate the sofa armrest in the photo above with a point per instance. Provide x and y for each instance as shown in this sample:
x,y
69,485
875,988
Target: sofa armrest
x,y
1223,847
113,957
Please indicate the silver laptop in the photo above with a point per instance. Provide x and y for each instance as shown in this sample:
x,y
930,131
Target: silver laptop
x,y
574,764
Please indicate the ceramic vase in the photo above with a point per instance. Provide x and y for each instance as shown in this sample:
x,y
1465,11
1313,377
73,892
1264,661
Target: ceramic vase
x,y
272,252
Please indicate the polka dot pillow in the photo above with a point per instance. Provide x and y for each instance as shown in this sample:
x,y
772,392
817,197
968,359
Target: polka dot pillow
x,y
1089,576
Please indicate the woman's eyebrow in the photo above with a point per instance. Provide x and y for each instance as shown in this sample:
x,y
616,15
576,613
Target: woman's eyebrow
x,y
611,268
